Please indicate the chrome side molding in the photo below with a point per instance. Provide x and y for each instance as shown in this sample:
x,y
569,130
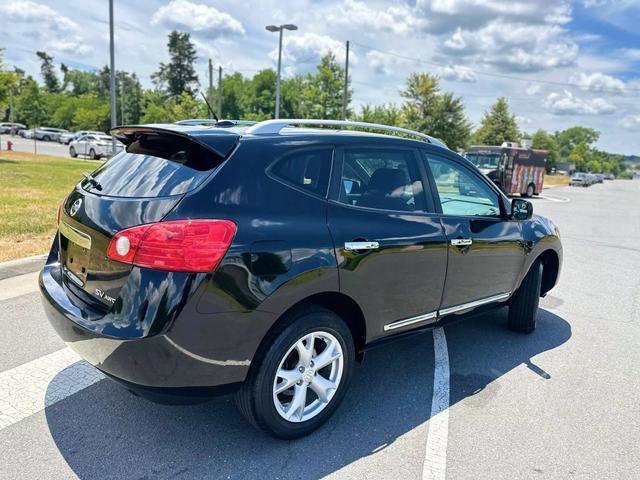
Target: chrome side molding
x,y
410,321
474,304
445,311
461,242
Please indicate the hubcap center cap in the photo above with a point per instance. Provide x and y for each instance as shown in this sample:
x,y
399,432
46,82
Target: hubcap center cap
x,y
308,375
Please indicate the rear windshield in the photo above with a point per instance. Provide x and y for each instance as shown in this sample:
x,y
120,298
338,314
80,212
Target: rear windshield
x,y
154,166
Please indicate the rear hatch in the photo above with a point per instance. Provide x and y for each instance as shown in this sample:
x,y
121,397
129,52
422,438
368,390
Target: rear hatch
x,y
138,186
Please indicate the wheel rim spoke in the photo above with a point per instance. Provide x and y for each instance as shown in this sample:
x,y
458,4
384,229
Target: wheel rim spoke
x,y
327,356
289,377
298,403
305,349
323,388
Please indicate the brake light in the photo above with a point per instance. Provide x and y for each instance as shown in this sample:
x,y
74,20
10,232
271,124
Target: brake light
x,y
177,246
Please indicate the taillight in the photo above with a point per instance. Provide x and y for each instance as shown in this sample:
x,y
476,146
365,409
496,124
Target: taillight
x,y
177,246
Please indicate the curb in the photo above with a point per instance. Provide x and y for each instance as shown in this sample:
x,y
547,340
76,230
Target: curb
x,y
21,266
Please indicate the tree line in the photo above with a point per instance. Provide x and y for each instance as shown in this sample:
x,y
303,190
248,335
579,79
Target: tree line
x,y
76,100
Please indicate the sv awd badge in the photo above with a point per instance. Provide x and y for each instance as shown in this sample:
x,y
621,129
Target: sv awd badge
x,y
104,296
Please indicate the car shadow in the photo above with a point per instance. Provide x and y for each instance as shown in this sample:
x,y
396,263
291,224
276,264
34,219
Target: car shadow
x,y
105,432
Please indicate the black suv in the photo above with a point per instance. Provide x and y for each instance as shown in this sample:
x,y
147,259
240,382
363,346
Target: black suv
x,y
266,259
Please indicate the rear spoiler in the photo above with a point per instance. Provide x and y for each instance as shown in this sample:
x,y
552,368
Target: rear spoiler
x,y
219,141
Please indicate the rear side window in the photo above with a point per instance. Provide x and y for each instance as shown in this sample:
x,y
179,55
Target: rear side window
x,y
155,166
308,170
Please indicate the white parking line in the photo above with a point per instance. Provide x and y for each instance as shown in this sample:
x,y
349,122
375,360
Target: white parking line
x,y
435,461
556,199
38,384
18,285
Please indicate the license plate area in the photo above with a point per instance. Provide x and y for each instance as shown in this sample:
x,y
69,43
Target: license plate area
x,y
76,246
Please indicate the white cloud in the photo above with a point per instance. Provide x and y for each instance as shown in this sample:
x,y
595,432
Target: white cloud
x,y
631,53
384,63
458,73
56,32
631,122
568,104
198,18
308,48
533,89
513,46
598,82
398,20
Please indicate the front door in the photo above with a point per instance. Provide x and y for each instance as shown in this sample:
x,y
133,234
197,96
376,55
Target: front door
x,y
486,252
391,251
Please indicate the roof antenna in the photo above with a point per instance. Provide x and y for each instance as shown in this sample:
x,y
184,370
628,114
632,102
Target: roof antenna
x,y
209,107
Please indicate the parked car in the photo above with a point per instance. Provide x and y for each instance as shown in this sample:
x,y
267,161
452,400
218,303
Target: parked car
x,y
266,259
609,176
28,133
579,179
12,128
67,138
94,146
599,177
48,134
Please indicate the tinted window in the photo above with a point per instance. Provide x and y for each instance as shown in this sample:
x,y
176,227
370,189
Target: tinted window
x,y
381,178
461,192
307,169
155,166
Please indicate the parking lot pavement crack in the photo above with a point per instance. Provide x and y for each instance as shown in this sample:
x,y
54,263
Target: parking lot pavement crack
x,y
33,386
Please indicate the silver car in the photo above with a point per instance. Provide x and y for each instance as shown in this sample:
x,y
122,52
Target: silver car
x,y
579,179
94,146
49,134
12,128
67,138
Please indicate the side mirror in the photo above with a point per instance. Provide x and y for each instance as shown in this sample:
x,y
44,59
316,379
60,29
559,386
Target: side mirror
x,y
521,209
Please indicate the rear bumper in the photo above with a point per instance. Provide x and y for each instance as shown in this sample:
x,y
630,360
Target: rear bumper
x,y
196,356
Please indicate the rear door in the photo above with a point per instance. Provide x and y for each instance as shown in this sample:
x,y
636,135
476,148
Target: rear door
x,y
390,246
486,249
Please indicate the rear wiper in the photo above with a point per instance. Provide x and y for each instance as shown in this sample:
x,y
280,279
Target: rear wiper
x,y
92,180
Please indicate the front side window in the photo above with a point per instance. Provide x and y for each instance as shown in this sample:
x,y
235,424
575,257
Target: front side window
x,y
381,178
460,191
308,170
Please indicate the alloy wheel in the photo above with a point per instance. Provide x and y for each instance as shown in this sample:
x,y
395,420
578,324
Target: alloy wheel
x,y
308,376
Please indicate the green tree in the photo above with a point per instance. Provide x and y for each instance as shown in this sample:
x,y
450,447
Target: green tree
x,y
427,109
387,114
570,138
260,95
324,92
233,95
30,106
8,82
48,72
497,126
545,141
179,74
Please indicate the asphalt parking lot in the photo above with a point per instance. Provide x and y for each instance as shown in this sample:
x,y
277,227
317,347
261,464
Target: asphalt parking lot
x,y
42,148
562,403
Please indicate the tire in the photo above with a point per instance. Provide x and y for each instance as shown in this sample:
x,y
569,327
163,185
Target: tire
x,y
46,138
258,400
523,310
72,152
92,154
531,191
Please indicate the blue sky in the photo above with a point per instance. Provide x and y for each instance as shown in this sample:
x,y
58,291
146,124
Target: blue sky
x,y
559,62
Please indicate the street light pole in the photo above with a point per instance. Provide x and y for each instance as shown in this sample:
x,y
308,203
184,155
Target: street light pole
x,y
280,29
112,75
278,77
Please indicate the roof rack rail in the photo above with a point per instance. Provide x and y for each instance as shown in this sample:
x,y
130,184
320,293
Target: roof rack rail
x,y
213,122
271,127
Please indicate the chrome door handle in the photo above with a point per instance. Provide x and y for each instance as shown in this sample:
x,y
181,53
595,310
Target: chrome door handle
x,y
461,242
357,246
